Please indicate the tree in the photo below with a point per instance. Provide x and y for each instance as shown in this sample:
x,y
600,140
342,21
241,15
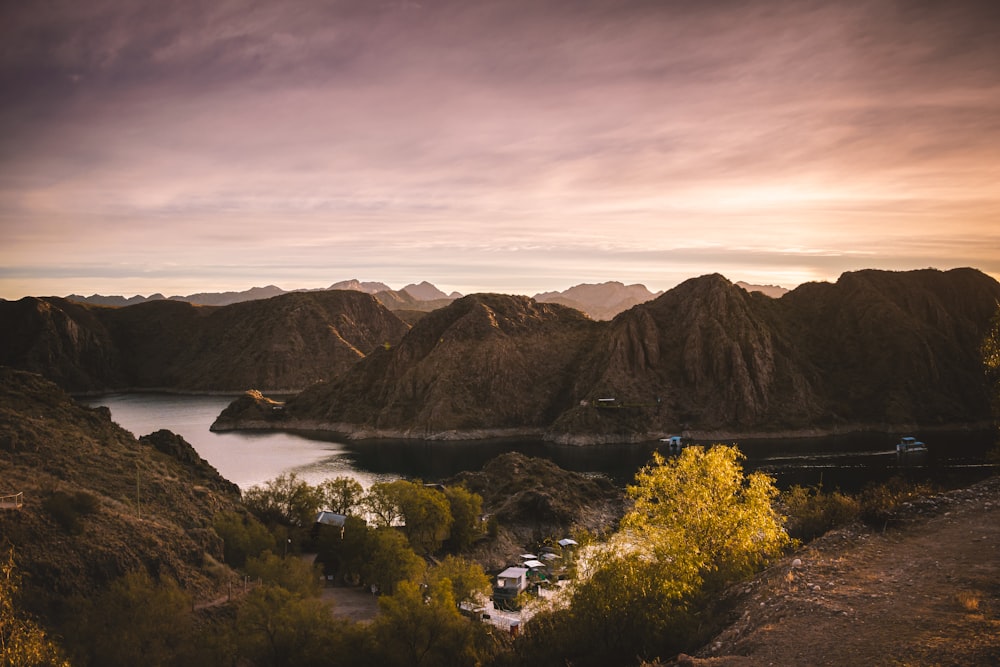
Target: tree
x,y
285,500
467,579
23,643
344,552
390,560
342,495
702,497
135,621
697,524
466,513
291,573
414,631
426,516
423,511
242,537
276,627
990,350
382,502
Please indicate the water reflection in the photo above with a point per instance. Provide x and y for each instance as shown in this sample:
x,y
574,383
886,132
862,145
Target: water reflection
x,y
247,458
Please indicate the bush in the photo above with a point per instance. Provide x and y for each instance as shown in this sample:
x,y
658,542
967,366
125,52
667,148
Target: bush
x,y
880,502
67,508
810,512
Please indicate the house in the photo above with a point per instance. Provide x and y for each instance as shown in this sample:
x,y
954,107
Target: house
x,y
510,583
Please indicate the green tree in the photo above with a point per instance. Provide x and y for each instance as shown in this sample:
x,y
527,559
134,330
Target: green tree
x,y
390,560
383,503
466,512
345,552
23,643
291,573
285,500
342,495
467,579
423,512
242,536
412,631
136,621
426,514
276,627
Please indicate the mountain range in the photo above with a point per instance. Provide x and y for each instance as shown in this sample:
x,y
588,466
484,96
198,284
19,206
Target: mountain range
x,y
280,344
876,350
601,301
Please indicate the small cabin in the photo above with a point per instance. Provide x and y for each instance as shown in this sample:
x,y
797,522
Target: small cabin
x,y
510,583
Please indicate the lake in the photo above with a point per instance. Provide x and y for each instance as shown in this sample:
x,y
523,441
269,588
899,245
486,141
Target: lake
x,y
248,458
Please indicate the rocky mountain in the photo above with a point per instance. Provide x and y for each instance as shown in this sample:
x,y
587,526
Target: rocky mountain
x,y
358,286
773,291
283,343
97,502
601,301
422,292
492,363
876,350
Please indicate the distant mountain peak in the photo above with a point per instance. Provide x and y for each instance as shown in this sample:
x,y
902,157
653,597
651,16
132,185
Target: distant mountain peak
x,y
424,291
359,286
602,301
773,291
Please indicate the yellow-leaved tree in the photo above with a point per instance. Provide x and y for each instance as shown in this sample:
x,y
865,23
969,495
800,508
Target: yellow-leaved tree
x,y
23,643
697,524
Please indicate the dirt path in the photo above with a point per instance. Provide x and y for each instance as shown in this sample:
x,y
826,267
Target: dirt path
x,y
925,594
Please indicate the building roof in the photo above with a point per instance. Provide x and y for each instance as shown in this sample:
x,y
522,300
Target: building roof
x,y
513,573
331,519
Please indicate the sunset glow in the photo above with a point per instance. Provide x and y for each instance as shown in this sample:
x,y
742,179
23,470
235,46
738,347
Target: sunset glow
x,y
500,145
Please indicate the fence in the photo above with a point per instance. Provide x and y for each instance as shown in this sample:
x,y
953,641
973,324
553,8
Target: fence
x,y
12,502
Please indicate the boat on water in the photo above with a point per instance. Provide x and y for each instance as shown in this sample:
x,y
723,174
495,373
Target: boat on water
x,y
673,441
908,444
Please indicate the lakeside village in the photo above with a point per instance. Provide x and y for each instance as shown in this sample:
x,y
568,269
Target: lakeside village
x,y
538,575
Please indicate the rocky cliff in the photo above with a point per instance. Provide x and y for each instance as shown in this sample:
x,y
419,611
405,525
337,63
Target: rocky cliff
x,y
876,350
284,343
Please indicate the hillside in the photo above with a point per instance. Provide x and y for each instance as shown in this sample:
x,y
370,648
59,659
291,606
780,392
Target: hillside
x,y
284,343
877,350
489,363
924,593
98,502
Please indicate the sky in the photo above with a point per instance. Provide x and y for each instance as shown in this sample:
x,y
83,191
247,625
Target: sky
x,y
513,146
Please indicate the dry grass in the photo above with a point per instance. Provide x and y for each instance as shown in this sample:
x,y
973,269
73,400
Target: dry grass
x,y
968,600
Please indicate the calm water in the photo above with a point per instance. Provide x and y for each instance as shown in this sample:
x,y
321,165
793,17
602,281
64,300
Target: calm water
x,y
847,462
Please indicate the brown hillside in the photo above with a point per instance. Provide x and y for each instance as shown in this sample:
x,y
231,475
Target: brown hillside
x,y
487,361
97,502
284,343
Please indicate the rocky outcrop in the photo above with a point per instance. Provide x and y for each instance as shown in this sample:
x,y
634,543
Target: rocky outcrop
x,y
284,344
877,350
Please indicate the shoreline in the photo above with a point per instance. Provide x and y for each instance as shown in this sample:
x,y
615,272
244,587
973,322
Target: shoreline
x,y
357,433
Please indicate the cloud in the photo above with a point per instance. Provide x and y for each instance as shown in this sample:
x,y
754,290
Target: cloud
x,y
466,138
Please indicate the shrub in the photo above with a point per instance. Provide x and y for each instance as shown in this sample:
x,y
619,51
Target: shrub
x,y
67,508
880,502
810,512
